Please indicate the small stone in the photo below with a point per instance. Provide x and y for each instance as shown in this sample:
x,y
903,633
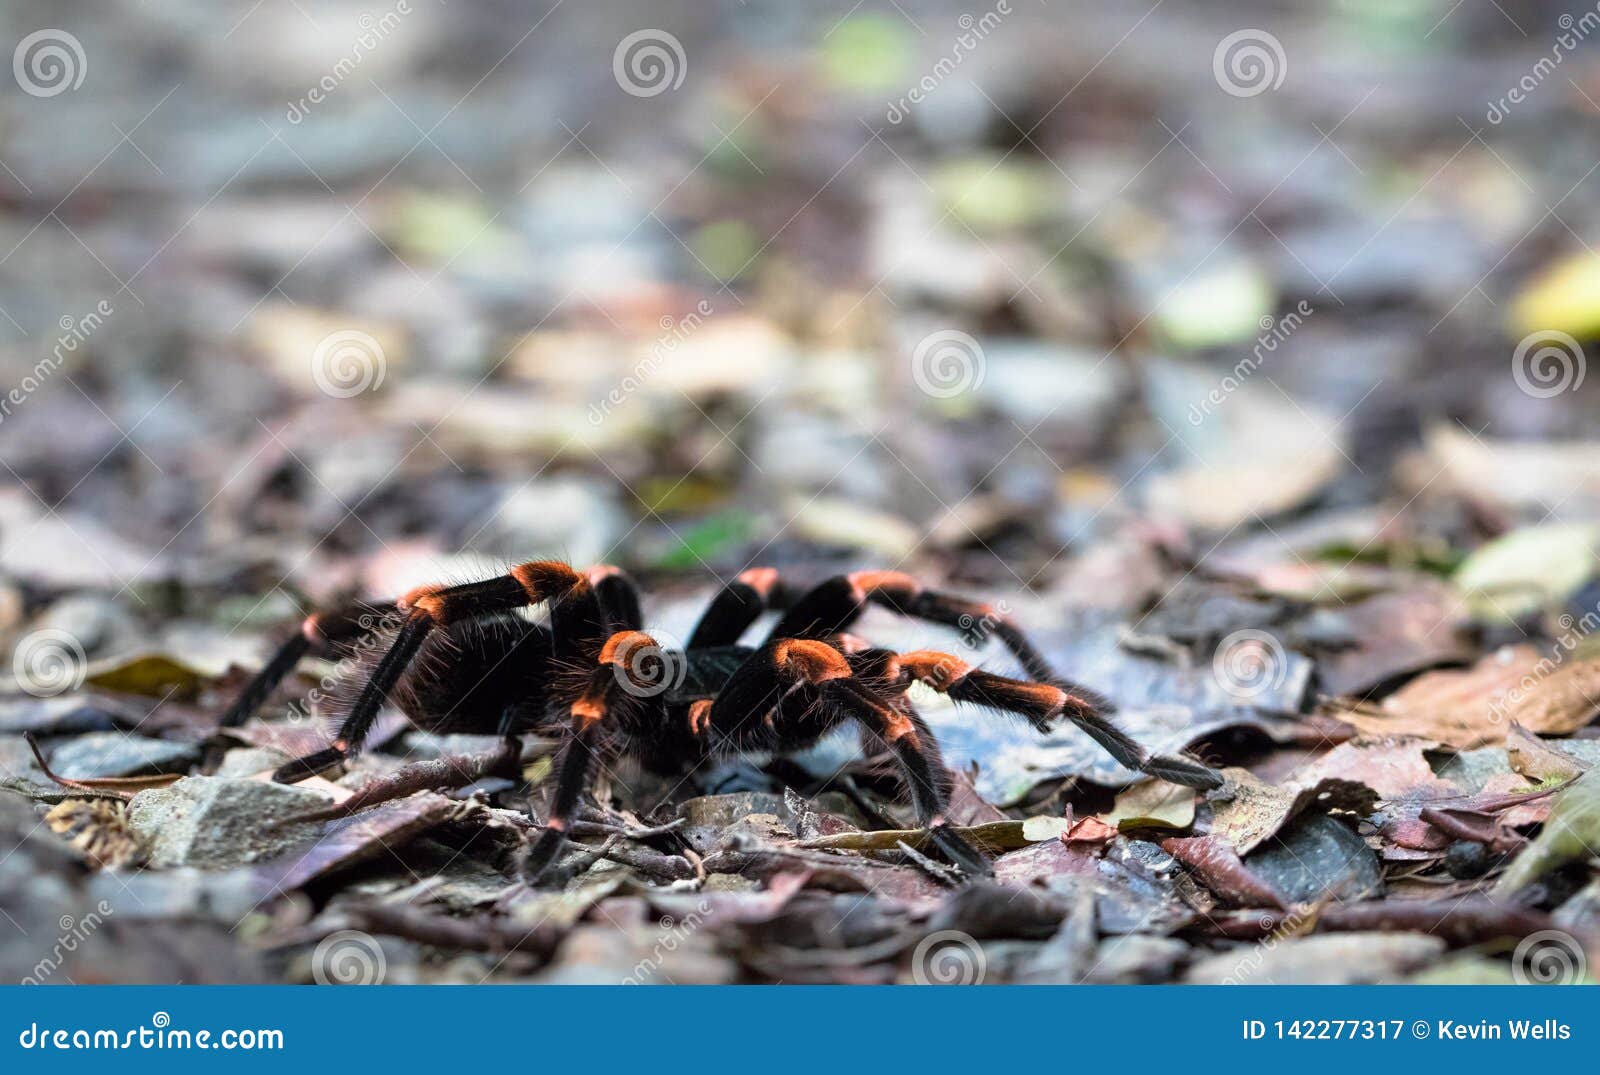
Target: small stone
x,y
248,761
100,754
214,823
95,623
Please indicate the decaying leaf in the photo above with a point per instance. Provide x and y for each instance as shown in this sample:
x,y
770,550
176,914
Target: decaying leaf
x,y
1247,811
1475,707
1153,805
1537,759
1572,832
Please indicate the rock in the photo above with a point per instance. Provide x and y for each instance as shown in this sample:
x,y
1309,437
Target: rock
x,y
1317,858
222,897
248,761
115,754
214,822
97,623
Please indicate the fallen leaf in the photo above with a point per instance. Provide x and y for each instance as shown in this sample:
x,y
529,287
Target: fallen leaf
x,y
1476,706
1528,570
1153,805
1222,871
1538,760
1246,811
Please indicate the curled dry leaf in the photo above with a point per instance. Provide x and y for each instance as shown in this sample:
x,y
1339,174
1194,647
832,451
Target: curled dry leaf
x,y
1246,811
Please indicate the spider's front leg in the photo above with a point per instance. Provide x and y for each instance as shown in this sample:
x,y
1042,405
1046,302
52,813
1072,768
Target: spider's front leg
x,y
755,694
1044,704
611,702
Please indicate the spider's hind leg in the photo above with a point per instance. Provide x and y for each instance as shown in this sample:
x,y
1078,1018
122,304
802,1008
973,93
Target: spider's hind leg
x,y
322,633
739,604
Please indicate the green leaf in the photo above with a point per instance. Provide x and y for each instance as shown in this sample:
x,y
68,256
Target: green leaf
x,y
1527,570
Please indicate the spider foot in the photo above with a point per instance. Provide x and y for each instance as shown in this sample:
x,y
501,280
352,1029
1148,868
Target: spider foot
x,y
292,772
1185,771
539,858
960,853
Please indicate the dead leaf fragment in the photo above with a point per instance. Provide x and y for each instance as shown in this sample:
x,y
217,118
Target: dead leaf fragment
x,y
1475,707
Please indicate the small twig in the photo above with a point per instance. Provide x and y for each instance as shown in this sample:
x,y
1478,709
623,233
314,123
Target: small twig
x,y
476,934
581,861
602,828
1462,829
92,791
451,771
944,875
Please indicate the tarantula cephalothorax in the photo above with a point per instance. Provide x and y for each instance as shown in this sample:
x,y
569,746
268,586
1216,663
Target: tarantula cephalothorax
x,y
462,660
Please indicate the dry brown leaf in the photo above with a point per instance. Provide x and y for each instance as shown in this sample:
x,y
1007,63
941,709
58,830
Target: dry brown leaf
x,y
1476,706
1246,812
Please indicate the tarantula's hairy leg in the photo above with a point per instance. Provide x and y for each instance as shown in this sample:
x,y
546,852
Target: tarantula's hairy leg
x,y
429,607
320,632
833,605
618,596
1042,704
736,607
788,665
606,691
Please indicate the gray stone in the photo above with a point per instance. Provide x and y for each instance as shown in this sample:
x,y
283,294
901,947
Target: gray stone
x,y
215,823
248,761
115,754
97,624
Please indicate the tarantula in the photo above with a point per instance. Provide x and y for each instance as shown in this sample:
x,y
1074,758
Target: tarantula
x,y
463,660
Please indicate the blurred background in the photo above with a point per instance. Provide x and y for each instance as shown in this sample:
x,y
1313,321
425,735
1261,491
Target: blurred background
x,y
1051,299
